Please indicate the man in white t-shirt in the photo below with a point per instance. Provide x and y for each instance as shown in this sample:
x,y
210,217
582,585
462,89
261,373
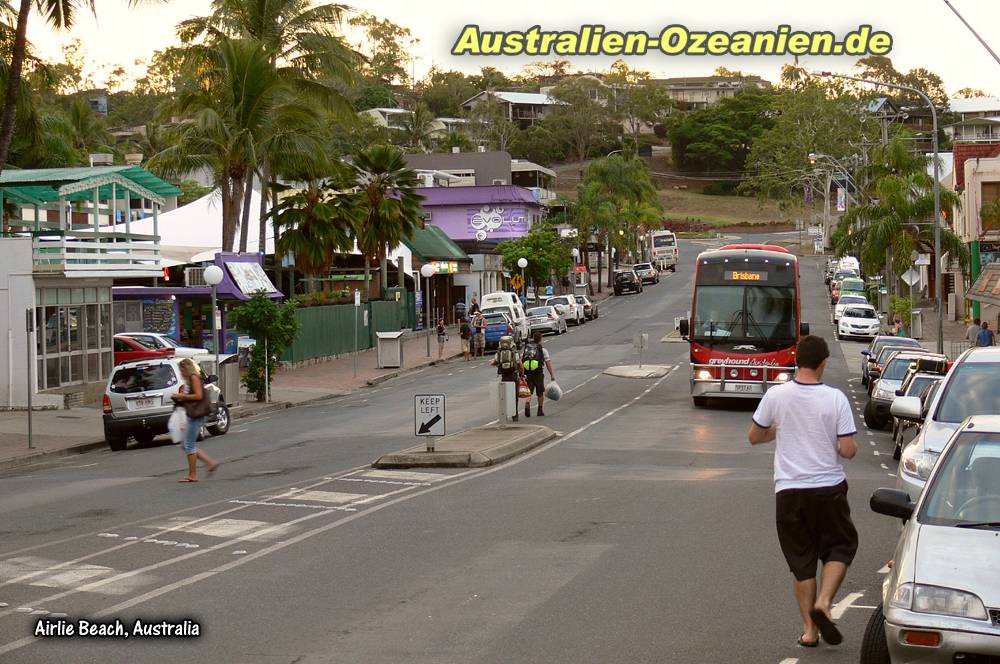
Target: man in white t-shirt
x,y
812,425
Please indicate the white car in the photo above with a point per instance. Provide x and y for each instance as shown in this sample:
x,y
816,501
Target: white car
x,y
844,302
858,320
157,341
568,307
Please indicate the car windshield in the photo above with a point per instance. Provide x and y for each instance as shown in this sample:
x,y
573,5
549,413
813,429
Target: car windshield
x,y
557,300
538,311
663,241
972,389
852,285
886,351
897,368
581,299
852,299
142,378
762,314
966,487
493,318
860,313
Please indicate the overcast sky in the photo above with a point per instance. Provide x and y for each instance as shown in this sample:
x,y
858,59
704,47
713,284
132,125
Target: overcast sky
x,y
925,32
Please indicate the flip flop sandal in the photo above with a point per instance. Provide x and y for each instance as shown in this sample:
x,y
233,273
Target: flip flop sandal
x,y
186,480
808,644
214,468
827,629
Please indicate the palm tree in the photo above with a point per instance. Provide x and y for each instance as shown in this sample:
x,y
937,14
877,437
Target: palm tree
x,y
316,223
89,131
59,14
241,103
390,204
418,128
894,222
301,39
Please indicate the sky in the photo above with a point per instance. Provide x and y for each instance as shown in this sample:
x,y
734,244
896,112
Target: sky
x,y
925,32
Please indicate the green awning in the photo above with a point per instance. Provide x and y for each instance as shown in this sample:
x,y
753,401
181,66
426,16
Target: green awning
x,y
431,244
48,185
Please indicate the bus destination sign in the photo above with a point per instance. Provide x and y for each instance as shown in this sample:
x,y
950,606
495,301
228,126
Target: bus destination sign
x,y
745,275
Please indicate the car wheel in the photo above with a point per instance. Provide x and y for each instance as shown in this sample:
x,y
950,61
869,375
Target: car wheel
x,y
117,443
897,451
700,402
221,425
874,649
673,268
144,438
871,418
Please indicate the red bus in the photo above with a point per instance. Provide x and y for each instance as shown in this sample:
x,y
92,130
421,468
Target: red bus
x,y
745,321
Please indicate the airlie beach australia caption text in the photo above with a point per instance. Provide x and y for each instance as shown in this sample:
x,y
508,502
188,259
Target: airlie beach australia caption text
x,y
117,629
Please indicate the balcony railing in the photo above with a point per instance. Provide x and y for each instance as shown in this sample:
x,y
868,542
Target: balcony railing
x,y
82,253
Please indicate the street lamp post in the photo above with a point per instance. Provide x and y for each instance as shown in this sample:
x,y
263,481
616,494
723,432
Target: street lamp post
x,y
213,277
522,263
427,271
938,286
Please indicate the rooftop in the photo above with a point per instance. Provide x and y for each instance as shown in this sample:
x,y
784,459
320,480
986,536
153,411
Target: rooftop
x,y
975,105
48,185
530,98
430,243
477,195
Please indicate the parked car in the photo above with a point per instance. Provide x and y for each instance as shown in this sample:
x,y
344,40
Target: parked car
x,y
568,307
876,367
924,386
157,341
127,350
858,321
972,387
546,319
589,308
877,410
646,272
499,324
627,280
137,402
870,354
844,301
509,304
940,598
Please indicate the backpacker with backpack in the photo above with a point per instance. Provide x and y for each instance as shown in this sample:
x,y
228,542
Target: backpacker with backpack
x,y
506,355
533,359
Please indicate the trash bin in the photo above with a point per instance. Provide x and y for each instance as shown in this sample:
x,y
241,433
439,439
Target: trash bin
x,y
389,347
459,311
917,324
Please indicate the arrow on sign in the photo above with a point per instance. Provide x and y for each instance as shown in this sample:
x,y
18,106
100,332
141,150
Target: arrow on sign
x,y
426,426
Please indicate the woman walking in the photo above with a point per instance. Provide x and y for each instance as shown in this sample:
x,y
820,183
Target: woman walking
x,y
442,337
197,406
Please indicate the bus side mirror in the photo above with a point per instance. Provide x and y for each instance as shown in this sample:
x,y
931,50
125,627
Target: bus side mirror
x,y
683,327
804,329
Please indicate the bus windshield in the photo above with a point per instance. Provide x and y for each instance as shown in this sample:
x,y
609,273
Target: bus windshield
x,y
762,315
663,240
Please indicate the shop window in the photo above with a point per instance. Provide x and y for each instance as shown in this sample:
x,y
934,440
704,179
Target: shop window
x,y
93,334
52,372
73,332
63,296
93,366
51,330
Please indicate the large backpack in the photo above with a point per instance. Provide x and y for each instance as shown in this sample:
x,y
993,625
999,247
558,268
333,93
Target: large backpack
x,y
506,356
533,357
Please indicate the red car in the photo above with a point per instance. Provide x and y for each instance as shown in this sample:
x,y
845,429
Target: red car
x,y
128,349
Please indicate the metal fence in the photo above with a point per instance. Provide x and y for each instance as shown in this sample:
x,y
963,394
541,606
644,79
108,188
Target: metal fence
x,y
329,330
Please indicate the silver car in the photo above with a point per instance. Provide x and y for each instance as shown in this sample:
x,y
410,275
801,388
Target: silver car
x,y
941,599
972,387
567,306
137,402
546,319
156,340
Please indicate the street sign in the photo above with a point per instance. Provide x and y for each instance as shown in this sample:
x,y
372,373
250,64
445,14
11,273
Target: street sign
x,y
357,297
580,268
516,281
428,415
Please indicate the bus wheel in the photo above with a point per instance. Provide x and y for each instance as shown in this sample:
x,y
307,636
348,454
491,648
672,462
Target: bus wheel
x,y
700,402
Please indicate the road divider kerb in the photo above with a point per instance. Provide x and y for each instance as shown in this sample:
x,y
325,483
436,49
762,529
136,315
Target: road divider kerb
x,y
477,447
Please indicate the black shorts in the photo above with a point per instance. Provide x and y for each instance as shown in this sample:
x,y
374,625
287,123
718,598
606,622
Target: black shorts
x,y
815,525
536,382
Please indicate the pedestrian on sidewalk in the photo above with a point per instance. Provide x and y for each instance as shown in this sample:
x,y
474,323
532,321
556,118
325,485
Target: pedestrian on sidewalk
x,y
534,360
197,405
474,307
986,336
972,333
479,338
442,337
812,425
465,331
508,369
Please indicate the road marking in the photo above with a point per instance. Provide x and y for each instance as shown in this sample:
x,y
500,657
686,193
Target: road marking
x,y
48,573
225,528
876,453
871,442
334,497
891,474
838,609
271,503
884,570
789,660
403,475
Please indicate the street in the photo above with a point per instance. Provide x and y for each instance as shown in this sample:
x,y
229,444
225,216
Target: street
x,y
644,533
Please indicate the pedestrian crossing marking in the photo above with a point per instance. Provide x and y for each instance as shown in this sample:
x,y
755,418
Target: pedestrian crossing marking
x,y
333,497
47,573
403,475
225,528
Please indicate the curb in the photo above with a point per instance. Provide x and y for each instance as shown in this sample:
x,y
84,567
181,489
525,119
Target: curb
x,y
522,439
399,372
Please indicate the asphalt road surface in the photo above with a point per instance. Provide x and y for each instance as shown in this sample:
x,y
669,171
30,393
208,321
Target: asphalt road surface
x,y
644,533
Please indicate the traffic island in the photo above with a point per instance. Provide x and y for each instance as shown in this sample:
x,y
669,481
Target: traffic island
x,y
635,371
472,448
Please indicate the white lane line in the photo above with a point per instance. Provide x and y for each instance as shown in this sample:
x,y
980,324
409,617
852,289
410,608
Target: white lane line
x,y
864,606
871,442
891,474
876,453
884,569
838,609
789,660
884,467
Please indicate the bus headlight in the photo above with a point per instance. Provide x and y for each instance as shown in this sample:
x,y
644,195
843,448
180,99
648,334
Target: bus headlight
x,y
753,373
703,374
782,377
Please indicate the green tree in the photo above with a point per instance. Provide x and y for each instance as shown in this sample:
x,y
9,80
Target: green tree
x,y
547,254
444,92
491,78
191,191
971,93
490,126
418,128
273,327
583,115
538,144
719,138
637,99
880,68
389,205
386,48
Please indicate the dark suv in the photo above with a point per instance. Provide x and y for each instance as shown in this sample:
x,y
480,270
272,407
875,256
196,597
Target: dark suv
x,y
627,280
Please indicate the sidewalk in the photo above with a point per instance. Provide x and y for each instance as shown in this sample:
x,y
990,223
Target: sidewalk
x,y
57,432
954,331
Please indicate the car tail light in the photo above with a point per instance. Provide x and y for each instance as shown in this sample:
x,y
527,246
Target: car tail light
x,y
106,404
510,330
551,317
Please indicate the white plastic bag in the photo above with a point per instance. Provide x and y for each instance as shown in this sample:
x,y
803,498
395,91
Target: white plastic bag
x,y
177,425
553,392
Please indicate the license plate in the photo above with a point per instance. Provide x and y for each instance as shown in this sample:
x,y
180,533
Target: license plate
x,y
138,404
746,388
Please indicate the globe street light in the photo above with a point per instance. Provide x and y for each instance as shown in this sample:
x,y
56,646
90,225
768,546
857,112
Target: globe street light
x,y
522,263
213,277
427,270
